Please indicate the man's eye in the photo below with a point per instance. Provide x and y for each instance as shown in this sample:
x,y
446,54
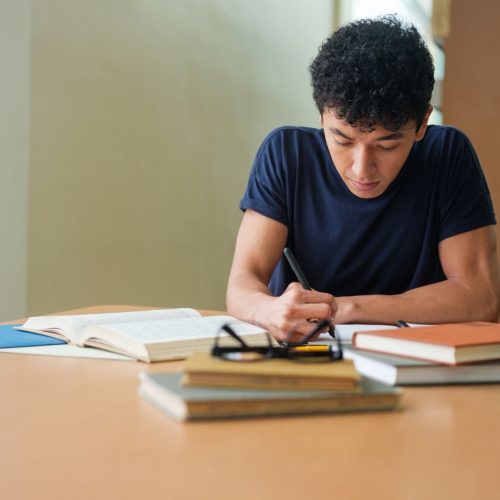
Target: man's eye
x,y
388,148
342,144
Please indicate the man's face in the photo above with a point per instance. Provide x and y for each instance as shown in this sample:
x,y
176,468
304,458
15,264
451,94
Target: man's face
x,y
368,161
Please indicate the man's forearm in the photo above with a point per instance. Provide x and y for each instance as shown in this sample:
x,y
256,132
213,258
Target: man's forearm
x,y
448,301
246,296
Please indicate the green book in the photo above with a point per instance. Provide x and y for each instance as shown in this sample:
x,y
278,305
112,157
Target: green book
x,y
165,391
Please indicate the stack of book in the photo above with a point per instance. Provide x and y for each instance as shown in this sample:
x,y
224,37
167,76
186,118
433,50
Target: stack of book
x,y
211,387
441,354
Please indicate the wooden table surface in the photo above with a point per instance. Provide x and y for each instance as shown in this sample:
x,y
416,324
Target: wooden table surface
x,y
75,428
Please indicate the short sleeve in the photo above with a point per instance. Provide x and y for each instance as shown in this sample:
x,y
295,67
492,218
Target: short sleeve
x,y
466,202
266,189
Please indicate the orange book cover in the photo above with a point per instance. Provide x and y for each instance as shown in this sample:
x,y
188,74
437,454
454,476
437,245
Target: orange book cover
x,y
452,334
453,343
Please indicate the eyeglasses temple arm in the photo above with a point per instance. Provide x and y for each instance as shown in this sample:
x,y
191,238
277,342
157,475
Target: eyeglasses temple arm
x,y
319,326
233,334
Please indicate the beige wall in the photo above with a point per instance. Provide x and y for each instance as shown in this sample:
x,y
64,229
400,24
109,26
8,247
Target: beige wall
x,y
471,99
145,120
14,153
145,117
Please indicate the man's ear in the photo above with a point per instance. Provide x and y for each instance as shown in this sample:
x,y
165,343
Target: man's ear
x,y
423,127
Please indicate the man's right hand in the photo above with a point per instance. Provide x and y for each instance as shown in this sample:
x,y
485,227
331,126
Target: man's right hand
x,y
294,311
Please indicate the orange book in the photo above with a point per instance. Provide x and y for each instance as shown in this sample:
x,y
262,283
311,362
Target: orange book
x,y
450,344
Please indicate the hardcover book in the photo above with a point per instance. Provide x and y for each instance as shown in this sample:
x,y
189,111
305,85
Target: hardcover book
x,y
452,344
166,392
398,370
203,369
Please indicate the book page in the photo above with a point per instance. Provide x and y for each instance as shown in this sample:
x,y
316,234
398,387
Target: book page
x,y
71,325
160,331
85,320
345,332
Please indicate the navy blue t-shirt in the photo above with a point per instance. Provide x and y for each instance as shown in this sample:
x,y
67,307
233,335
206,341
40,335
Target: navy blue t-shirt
x,y
353,246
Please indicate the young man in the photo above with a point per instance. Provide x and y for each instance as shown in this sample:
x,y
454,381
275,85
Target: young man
x,y
389,218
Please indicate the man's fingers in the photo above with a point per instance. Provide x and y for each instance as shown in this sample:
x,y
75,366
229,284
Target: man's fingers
x,y
313,311
297,310
299,330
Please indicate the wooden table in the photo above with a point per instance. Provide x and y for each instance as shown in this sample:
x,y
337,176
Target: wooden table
x,y
74,428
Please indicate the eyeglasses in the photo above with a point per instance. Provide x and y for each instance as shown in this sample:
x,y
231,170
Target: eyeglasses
x,y
296,351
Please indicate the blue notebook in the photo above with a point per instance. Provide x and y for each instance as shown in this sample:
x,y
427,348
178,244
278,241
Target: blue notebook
x,y
15,338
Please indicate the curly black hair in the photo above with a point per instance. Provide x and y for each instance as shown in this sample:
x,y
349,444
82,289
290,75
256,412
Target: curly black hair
x,y
374,72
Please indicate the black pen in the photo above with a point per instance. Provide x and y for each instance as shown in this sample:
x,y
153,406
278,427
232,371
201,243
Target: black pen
x,y
296,269
302,279
402,324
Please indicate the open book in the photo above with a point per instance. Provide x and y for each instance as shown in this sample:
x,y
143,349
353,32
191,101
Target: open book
x,y
154,335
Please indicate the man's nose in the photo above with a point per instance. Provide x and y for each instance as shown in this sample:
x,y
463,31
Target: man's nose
x,y
363,164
